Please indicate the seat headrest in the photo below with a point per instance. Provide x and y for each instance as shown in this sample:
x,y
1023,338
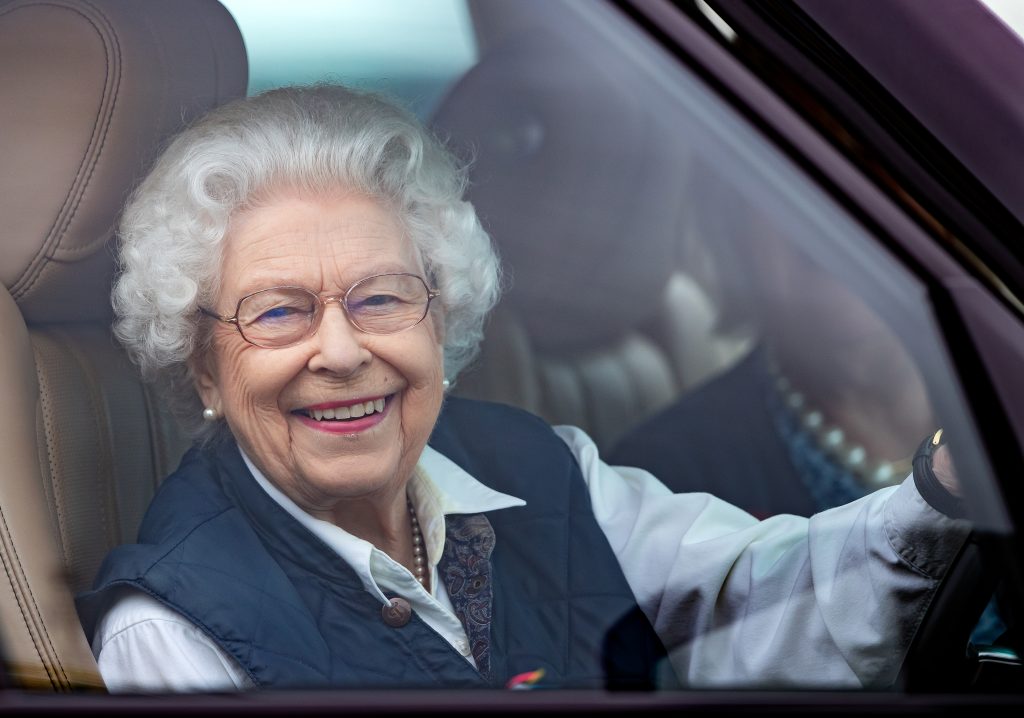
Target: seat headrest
x,y
89,93
573,178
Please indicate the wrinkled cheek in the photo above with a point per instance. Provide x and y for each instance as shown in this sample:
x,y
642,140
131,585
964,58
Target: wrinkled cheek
x,y
254,415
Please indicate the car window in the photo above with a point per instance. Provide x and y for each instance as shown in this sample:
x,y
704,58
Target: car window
x,y
687,294
668,246
677,285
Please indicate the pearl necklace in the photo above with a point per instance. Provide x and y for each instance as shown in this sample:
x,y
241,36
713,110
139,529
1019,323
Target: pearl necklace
x,y
873,474
419,551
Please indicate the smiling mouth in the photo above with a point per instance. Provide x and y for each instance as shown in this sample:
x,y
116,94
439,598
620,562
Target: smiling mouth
x,y
346,413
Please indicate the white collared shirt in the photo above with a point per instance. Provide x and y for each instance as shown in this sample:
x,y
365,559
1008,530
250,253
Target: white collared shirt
x,y
438,487
819,602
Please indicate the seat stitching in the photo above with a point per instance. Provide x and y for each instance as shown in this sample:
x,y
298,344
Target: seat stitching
x,y
58,493
115,94
56,487
27,589
27,282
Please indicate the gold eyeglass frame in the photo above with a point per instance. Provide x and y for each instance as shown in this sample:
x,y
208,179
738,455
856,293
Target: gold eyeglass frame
x,y
322,301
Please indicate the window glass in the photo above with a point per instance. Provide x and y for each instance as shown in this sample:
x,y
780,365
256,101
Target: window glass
x,y
678,287
410,49
687,295
667,250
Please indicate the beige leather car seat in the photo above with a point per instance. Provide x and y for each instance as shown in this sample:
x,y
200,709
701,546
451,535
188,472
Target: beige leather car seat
x,y
89,90
580,181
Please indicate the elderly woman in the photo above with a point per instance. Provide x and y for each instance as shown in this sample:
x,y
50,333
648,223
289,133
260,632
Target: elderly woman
x,y
300,272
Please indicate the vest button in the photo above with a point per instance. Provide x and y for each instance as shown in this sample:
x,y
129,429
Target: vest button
x,y
396,612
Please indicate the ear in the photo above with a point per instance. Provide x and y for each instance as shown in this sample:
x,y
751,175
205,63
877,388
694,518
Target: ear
x,y
204,378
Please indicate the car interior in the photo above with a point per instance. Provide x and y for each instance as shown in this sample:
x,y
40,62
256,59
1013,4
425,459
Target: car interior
x,y
616,235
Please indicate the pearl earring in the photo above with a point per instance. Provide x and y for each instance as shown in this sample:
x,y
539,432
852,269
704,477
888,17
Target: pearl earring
x,y
209,414
445,383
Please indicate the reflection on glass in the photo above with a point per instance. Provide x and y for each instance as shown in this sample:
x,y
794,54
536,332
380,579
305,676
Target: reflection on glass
x,y
829,404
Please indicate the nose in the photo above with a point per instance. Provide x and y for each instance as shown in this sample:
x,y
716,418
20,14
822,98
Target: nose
x,y
338,345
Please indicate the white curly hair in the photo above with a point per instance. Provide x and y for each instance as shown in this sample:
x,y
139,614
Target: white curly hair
x,y
312,139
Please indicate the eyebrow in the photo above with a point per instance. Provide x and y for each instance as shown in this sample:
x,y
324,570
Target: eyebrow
x,y
266,281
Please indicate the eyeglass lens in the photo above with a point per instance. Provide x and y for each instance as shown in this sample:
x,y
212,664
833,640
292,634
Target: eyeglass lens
x,y
382,304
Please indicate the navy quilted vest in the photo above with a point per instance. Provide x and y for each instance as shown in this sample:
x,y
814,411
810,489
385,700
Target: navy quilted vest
x,y
217,549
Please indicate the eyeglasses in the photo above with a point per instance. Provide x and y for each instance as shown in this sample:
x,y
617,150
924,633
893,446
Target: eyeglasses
x,y
282,316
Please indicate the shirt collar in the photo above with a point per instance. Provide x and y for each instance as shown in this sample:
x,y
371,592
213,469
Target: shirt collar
x,y
457,491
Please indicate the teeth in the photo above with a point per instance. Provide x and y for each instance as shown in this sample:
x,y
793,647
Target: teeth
x,y
355,411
